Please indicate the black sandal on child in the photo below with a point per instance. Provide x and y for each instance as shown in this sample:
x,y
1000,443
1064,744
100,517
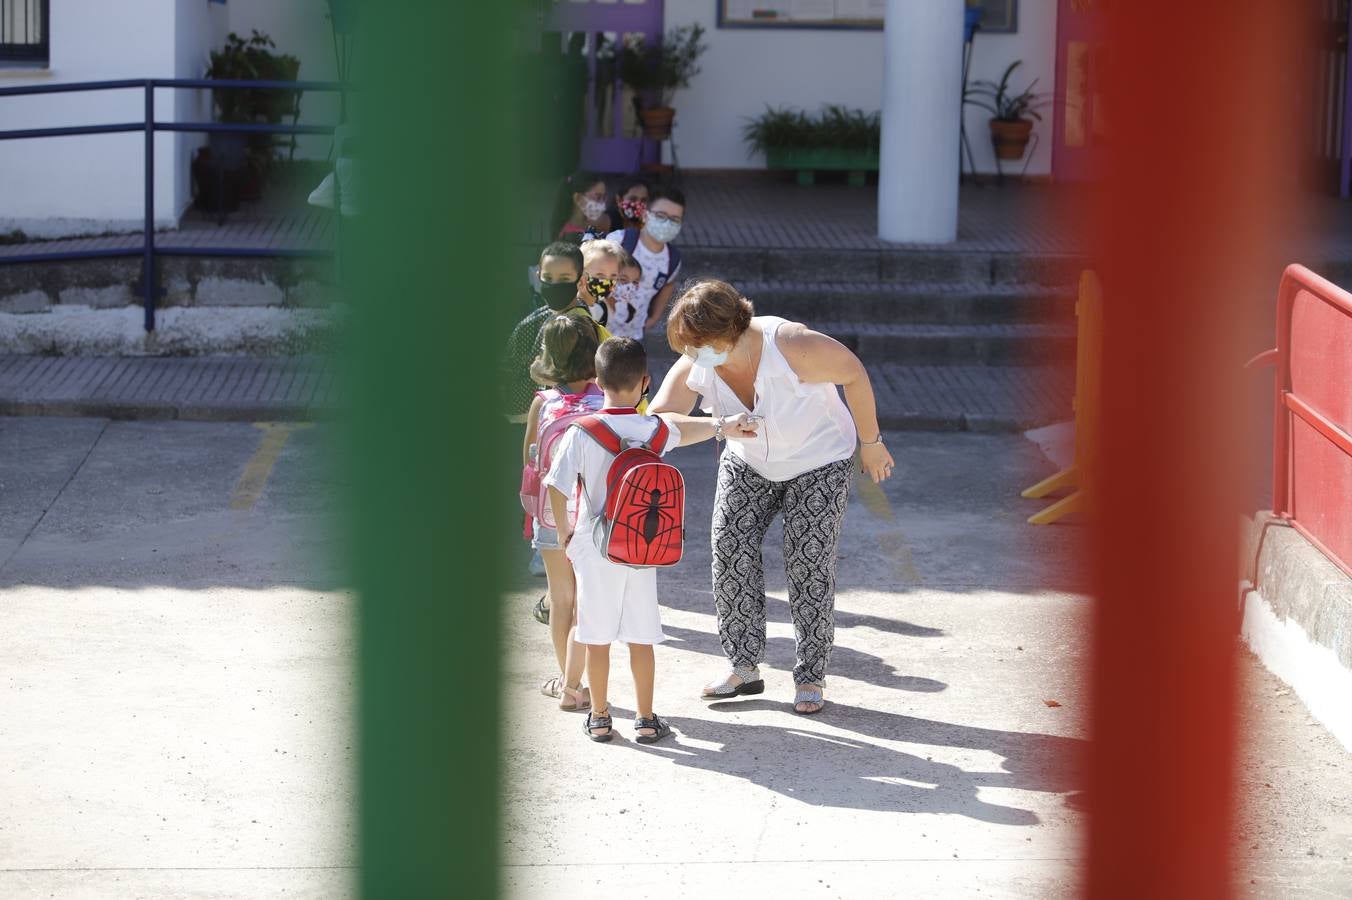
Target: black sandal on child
x,y
658,725
596,723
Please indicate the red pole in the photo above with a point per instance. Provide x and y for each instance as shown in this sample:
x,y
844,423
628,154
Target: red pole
x,y
1197,164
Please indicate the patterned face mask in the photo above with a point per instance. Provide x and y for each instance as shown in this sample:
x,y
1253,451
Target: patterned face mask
x,y
627,292
592,209
600,287
633,209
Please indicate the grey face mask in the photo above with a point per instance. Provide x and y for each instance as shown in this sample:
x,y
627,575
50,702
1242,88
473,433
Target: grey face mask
x,y
663,231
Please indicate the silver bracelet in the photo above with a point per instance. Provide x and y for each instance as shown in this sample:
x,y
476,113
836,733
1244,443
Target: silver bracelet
x,y
718,429
877,443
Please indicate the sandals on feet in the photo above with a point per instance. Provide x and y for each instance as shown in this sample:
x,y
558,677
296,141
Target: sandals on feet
x,y
541,612
657,725
808,693
748,682
575,699
595,723
553,687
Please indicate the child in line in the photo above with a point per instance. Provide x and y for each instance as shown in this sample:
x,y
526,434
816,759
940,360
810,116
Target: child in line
x,y
627,321
617,602
631,202
561,287
567,359
601,261
660,259
581,207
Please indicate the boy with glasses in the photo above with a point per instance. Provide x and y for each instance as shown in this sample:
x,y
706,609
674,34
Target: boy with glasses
x,y
652,248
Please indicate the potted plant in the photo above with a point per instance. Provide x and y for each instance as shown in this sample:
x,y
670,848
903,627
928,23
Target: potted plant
x,y
251,155
1012,113
656,70
837,138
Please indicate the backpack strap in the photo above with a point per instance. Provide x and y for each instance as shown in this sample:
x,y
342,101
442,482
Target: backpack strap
x,y
629,240
658,442
601,433
673,259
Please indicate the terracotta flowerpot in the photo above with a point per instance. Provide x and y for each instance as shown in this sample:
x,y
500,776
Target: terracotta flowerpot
x,y
1011,138
657,121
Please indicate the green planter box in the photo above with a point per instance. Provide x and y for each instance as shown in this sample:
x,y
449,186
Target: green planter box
x,y
810,160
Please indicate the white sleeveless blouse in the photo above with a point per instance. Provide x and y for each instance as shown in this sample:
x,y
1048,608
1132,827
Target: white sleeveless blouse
x,y
806,426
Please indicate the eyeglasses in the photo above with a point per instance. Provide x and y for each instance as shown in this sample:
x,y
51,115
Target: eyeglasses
x,y
663,217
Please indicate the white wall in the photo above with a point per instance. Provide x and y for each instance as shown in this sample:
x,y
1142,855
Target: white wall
x,y
746,69
301,28
90,183
199,28
1035,44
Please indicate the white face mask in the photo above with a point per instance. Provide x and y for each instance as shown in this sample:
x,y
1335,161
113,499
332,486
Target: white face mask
x,y
663,231
592,209
627,292
708,358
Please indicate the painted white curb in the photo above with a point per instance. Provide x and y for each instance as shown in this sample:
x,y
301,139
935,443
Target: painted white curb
x,y
1313,671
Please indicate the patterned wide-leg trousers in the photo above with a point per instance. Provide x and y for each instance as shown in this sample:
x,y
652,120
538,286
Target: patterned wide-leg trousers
x,y
813,505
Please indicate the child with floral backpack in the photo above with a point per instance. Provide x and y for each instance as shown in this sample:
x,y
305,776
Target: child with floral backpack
x,y
567,359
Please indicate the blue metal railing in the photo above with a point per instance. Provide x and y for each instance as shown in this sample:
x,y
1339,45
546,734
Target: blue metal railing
x,y
148,251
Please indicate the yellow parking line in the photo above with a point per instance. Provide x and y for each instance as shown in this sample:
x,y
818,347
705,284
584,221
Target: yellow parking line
x,y
256,471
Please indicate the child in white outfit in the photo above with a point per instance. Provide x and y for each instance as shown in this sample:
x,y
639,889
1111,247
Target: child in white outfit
x,y
615,602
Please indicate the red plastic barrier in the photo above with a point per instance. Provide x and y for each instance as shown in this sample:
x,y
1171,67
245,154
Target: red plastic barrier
x,y
1312,412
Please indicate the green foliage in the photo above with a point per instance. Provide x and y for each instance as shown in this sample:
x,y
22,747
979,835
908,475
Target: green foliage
x,y
1001,102
655,71
254,60
835,126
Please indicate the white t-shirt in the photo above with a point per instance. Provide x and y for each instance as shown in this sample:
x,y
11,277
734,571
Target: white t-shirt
x,y
578,453
806,426
654,265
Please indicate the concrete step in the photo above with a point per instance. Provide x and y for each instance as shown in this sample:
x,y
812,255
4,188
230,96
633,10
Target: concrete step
x,y
937,266
965,345
912,303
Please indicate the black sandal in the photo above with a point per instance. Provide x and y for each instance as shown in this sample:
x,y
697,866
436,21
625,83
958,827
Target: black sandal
x,y
659,726
541,612
595,721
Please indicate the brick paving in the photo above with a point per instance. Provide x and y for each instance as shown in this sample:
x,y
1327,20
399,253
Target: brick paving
x,y
212,388
216,388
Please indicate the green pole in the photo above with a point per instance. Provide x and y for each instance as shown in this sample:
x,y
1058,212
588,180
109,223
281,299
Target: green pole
x,y
431,292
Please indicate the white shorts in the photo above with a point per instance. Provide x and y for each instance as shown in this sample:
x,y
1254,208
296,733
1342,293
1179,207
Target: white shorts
x,y
614,602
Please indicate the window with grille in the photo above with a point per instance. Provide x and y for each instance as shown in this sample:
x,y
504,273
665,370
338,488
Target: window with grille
x,y
23,31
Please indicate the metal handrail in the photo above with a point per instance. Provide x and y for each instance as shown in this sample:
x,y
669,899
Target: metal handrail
x,y
148,251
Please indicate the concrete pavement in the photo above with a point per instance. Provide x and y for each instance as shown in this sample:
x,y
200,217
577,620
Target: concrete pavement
x,y
939,767
175,664
176,681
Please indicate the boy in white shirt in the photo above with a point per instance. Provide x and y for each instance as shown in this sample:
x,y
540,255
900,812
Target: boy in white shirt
x,y
617,602
659,259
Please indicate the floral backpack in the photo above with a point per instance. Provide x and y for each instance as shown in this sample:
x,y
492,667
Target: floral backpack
x,y
558,411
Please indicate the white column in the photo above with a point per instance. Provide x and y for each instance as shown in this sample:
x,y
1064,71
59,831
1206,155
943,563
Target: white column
x,y
922,106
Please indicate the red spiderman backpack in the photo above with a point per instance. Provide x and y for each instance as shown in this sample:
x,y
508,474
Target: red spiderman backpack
x,y
558,411
643,524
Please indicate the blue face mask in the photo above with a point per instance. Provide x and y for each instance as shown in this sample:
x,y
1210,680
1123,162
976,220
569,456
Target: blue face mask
x,y
707,358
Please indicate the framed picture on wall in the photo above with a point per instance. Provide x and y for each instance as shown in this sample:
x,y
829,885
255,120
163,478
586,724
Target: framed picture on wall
x,y
999,16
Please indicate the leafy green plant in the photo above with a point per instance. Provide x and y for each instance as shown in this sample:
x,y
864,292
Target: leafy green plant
x,y
254,60
657,70
834,127
1001,101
